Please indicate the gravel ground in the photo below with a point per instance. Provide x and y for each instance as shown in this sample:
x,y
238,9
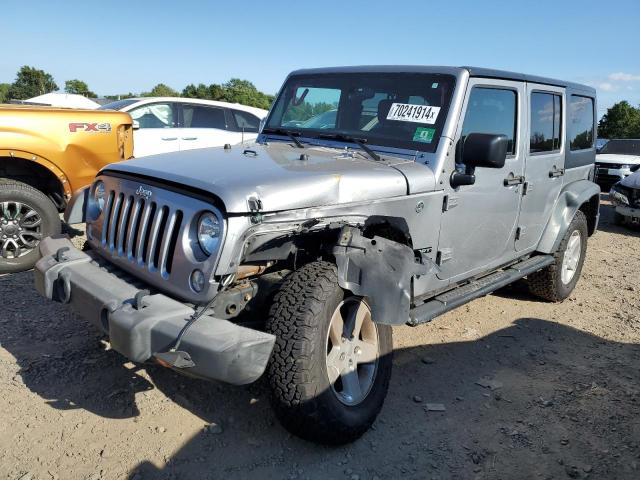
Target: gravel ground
x,y
529,390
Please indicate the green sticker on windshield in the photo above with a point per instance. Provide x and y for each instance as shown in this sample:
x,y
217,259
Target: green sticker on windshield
x,y
424,135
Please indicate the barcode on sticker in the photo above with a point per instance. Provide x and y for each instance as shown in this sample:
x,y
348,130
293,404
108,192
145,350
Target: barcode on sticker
x,y
406,112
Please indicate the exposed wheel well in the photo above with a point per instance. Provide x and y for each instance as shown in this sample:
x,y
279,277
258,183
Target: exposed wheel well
x,y
590,210
34,175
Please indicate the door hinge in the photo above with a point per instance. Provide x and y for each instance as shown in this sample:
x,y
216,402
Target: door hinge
x,y
521,232
449,202
527,187
444,255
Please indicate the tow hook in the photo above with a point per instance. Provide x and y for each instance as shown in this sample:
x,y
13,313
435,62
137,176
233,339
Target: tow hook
x,y
62,289
59,257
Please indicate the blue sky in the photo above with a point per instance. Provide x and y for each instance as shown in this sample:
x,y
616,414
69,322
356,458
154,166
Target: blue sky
x,y
120,46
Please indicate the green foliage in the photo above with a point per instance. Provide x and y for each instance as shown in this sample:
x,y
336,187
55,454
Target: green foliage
x,y
4,88
161,90
621,121
79,88
233,91
31,82
306,110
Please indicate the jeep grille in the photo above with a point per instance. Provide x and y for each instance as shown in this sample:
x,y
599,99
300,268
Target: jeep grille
x,y
142,231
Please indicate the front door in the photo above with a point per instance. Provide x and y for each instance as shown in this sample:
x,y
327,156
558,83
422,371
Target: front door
x,y
544,168
156,130
479,225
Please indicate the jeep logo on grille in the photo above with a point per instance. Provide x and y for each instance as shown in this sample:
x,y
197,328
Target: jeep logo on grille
x,y
146,194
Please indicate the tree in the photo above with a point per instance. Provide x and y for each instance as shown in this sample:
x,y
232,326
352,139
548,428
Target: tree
x,y
200,91
233,91
621,121
4,88
31,82
78,87
161,90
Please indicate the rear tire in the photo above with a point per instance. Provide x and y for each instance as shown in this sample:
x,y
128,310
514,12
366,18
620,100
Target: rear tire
x,y
26,216
305,317
556,282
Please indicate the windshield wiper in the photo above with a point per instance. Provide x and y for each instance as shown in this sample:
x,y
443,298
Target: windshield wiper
x,y
358,141
282,131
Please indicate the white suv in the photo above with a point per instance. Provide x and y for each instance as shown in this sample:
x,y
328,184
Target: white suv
x,y
169,124
616,160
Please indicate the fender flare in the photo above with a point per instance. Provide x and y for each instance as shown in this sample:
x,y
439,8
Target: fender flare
x,y
571,198
52,167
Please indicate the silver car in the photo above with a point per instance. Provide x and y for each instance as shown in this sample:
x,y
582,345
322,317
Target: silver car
x,y
430,187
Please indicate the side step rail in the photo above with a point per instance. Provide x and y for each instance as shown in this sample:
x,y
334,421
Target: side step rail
x,y
477,288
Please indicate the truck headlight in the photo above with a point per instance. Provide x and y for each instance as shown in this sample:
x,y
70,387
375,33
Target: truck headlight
x,y
209,230
618,197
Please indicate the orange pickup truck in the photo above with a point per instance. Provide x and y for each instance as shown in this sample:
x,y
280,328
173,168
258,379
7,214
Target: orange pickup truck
x,y
46,154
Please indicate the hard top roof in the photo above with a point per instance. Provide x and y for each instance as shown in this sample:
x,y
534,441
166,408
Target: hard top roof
x,y
473,71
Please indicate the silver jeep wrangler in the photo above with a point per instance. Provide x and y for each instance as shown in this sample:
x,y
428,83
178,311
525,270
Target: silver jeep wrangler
x,y
373,197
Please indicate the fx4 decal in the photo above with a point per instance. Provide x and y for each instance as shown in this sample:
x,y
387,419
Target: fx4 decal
x,y
90,127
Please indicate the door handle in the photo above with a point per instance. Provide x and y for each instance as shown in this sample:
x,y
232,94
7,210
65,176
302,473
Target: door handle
x,y
189,138
168,139
556,172
513,180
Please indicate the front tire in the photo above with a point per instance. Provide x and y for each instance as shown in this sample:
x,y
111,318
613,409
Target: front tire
x,y
26,217
331,365
556,282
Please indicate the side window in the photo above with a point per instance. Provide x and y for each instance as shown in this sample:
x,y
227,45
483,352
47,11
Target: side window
x,y
157,115
546,122
245,121
580,122
492,110
197,116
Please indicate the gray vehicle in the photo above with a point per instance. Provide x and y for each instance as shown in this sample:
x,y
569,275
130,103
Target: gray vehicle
x,y
625,196
297,255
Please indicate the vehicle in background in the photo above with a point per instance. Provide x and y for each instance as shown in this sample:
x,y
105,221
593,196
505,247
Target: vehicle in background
x,y
46,154
600,142
299,254
170,124
625,196
617,159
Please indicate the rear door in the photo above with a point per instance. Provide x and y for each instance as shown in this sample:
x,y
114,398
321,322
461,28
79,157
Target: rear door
x,y
544,167
155,130
204,126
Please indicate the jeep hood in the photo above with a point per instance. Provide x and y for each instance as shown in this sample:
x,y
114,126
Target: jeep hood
x,y
277,176
617,158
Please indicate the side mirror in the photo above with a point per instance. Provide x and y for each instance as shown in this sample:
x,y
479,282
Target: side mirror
x,y
136,125
485,150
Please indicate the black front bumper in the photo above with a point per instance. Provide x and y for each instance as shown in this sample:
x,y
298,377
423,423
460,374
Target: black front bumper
x,y
220,350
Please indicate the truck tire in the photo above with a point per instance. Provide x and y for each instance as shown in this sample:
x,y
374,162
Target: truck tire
x,y
26,216
331,364
556,282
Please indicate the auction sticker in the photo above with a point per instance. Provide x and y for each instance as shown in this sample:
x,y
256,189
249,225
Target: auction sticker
x,y
406,112
424,135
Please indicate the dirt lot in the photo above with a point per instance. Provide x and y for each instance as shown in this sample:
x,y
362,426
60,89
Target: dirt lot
x,y
562,398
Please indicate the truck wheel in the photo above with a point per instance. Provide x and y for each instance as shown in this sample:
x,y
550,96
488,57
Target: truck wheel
x,y
331,364
26,216
556,282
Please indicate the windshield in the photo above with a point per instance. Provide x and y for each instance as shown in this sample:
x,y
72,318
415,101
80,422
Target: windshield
x,y
402,110
622,147
118,105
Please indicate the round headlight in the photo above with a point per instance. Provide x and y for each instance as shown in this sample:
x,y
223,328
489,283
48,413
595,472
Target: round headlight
x,y
98,195
209,230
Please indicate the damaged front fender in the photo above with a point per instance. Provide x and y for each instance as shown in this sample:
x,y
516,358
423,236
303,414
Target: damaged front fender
x,y
381,270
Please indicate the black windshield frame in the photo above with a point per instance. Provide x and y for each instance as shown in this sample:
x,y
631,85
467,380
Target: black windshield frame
x,y
436,89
